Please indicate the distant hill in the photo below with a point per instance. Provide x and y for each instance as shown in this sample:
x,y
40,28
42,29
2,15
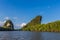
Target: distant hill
x,y
8,26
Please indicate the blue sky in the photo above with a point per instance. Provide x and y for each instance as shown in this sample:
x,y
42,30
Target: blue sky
x,y
22,11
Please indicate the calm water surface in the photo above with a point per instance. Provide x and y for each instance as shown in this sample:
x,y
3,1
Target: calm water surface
x,y
21,35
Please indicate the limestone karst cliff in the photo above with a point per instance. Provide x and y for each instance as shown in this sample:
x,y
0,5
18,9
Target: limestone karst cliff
x,y
8,24
36,20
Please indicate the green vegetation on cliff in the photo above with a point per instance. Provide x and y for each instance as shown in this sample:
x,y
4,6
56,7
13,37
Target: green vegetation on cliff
x,y
49,27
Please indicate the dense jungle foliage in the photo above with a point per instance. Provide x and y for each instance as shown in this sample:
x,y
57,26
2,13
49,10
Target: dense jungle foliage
x,y
49,27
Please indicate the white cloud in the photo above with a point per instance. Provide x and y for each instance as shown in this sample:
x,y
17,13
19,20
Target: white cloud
x,y
15,18
6,18
21,25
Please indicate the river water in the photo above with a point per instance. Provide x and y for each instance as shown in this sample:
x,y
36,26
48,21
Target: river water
x,y
26,35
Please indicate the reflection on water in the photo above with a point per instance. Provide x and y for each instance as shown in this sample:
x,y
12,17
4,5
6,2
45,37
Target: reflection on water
x,y
36,36
21,35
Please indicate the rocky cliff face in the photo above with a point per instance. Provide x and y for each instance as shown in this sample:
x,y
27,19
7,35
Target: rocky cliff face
x,y
36,20
8,24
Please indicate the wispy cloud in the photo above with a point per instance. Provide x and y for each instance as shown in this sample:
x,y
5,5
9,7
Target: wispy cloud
x,y
2,23
6,18
15,18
